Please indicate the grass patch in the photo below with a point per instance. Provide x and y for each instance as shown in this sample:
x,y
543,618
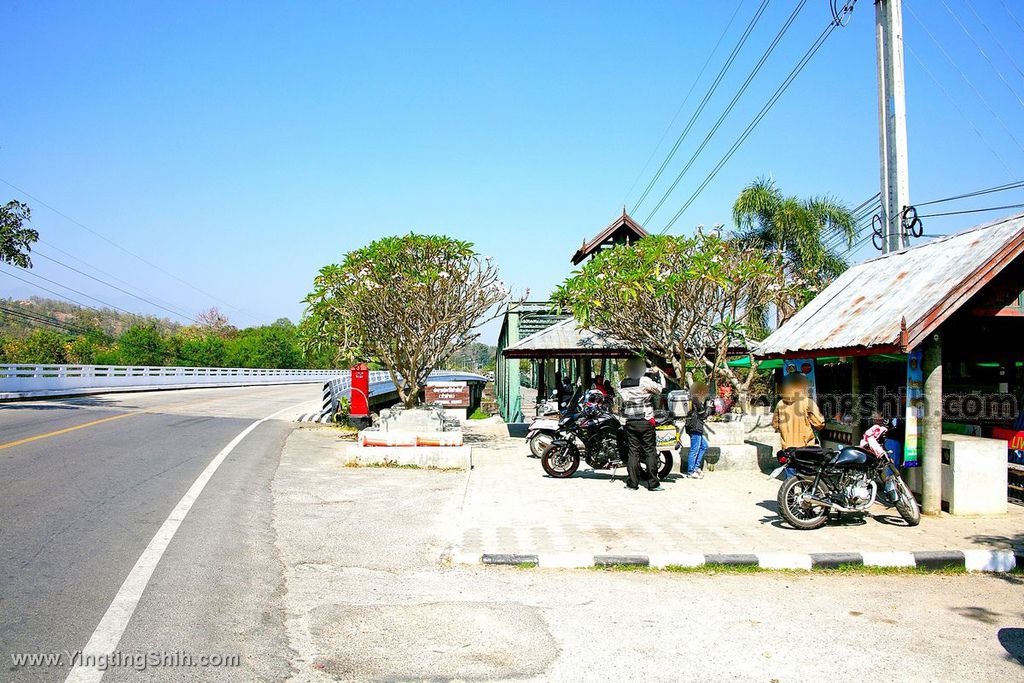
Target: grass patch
x,y
479,414
526,565
846,569
622,568
888,571
395,465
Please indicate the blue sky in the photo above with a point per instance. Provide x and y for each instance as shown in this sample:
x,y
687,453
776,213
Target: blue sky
x,y
242,145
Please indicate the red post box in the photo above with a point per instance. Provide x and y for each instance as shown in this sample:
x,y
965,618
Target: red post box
x,y
359,402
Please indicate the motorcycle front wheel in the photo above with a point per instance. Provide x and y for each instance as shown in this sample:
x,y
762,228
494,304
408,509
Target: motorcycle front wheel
x,y
907,505
560,461
800,514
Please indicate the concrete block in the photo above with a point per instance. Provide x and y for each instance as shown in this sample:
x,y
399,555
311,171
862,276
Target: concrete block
x,y
565,560
888,559
446,457
726,457
989,560
974,481
784,560
675,559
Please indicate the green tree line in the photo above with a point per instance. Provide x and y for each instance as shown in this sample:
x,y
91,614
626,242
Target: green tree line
x,y
149,343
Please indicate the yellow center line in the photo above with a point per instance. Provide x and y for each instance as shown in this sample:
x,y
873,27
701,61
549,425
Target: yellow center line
x,y
37,437
154,409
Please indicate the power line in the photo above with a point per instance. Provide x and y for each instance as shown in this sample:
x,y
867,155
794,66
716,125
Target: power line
x,y
1015,20
686,99
757,119
732,103
957,213
970,84
113,277
976,193
70,289
995,38
861,220
704,101
124,291
52,322
984,54
64,297
118,246
956,105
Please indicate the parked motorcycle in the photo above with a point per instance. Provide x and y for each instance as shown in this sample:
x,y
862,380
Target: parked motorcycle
x,y
602,437
544,428
846,481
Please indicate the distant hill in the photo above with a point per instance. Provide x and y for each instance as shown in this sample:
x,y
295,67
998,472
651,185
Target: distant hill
x,y
18,317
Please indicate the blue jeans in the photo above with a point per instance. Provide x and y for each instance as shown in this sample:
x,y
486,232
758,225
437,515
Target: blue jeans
x,y
895,449
698,447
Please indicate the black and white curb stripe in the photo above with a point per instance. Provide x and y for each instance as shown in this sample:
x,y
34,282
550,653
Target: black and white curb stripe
x,y
970,560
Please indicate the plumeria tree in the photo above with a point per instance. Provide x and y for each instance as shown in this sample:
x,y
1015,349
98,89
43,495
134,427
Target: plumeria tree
x,y
682,299
407,303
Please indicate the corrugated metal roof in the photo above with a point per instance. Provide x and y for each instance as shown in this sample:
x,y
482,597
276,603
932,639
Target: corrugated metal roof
x,y
865,306
566,339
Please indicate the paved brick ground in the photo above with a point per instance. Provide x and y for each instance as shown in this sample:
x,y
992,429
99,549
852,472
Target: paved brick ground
x,y
511,506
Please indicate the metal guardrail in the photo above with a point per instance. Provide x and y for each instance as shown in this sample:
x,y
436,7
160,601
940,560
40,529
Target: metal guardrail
x,y
26,380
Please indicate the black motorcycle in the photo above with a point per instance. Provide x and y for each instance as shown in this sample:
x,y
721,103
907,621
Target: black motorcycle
x,y
602,436
845,481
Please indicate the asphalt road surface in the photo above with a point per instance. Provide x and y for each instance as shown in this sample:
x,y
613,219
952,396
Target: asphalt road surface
x,y
87,482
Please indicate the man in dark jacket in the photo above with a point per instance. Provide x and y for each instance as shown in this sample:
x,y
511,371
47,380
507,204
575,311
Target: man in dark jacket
x,y
699,412
637,391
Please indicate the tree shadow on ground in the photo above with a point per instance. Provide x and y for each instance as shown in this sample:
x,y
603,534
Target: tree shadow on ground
x,y
65,404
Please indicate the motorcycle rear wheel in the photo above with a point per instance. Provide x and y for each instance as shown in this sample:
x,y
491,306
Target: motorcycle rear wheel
x,y
907,505
541,442
664,466
800,516
560,462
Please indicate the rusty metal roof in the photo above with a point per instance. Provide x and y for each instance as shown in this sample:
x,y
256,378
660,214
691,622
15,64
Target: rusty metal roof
x,y
892,302
564,339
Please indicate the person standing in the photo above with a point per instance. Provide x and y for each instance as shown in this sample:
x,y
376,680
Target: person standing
x,y
796,415
695,427
636,392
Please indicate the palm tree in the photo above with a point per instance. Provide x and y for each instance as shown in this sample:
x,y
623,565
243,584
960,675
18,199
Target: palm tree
x,y
810,234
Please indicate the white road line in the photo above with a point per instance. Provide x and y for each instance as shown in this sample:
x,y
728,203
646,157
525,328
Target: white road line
x,y
112,626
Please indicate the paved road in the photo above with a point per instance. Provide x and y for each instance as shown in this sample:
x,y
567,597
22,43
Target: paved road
x,y
80,504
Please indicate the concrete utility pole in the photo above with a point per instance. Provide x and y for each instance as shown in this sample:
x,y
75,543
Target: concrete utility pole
x,y
892,121
931,457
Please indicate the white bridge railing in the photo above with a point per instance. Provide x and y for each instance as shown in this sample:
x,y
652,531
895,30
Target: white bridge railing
x,y
23,380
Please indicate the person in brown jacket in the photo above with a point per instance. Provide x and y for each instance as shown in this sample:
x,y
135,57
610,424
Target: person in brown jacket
x,y
796,415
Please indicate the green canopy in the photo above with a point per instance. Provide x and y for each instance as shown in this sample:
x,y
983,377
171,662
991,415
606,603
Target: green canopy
x,y
777,362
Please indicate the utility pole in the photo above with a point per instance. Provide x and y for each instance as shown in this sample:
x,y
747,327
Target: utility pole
x,y
892,122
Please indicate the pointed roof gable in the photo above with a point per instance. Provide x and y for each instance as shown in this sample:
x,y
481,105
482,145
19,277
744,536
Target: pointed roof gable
x,y
622,229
